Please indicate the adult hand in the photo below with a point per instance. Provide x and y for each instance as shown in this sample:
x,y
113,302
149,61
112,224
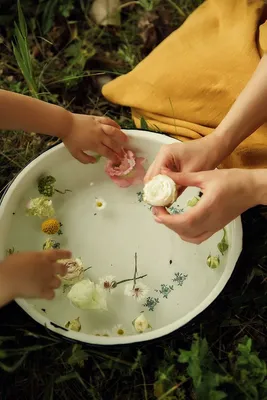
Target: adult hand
x,y
198,155
226,195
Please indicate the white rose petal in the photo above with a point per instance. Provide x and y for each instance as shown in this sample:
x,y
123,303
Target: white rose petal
x,y
160,191
75,271
88,296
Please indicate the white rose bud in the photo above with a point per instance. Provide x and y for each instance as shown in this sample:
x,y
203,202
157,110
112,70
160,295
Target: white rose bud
x,y
160,191
75,271
141,323
88,296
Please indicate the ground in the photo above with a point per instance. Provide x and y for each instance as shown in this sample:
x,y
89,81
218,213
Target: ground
x,y
222,352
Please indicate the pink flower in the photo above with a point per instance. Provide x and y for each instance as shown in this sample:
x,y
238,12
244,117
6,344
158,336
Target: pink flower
x,y
128,171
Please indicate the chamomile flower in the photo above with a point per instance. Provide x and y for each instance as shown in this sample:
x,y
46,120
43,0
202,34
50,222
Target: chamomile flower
x,y
107,282
102,332
139,291
119,330
100,204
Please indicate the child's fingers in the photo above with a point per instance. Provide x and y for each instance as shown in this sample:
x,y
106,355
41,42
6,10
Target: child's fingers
x,y
108,153
112,145
83,157
108,121
55,283
48,294
116,134
60,269
55,255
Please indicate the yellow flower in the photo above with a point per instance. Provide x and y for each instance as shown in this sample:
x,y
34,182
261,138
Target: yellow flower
x,y
51,226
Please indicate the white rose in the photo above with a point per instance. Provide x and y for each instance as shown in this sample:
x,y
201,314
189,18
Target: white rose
x,y
75,271
141,323
160,191
88,296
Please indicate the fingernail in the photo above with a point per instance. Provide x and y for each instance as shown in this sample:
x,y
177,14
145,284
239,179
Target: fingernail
x,y
165,170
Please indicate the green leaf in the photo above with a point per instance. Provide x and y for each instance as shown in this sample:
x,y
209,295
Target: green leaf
x,y
217,395
143,124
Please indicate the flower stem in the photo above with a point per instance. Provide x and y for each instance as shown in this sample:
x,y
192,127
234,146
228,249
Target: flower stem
x,y
135,270
65,191
131,279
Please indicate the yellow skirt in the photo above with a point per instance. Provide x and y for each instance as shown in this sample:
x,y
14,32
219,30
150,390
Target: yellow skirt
x,y
188,83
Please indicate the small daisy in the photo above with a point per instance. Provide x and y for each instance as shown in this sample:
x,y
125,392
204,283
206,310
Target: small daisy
x,y
102,332
91,183
107,282
100,204
119,330
139,292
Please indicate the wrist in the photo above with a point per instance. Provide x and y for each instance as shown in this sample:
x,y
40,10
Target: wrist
x,y
260,186
223,139
216,148
7,293
64,125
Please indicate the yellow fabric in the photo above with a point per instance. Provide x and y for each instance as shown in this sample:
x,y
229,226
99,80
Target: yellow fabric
x,y
188,83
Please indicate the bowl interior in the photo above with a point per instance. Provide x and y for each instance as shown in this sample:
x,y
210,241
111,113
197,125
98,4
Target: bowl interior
x,y
180,283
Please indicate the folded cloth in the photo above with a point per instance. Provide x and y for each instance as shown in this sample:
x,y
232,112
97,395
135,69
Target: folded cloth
x,y
188,83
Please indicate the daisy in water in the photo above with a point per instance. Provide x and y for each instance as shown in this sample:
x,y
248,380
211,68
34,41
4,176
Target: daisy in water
x,y
107,282
139,290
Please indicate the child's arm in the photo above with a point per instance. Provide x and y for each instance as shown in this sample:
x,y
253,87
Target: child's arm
x,y
31,275
78,132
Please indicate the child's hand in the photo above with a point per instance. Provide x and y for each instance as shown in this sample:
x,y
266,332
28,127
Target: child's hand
x,y
98,134
33,274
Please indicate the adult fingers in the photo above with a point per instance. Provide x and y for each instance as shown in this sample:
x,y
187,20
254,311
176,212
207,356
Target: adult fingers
x,y
198,239
155,168
114,133
149,174
192,223
184,178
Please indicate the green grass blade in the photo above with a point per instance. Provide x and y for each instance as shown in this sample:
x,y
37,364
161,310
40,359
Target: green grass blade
x,y
22,22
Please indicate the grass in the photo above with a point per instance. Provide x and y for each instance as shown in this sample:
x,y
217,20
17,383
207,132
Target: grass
x,y
61,57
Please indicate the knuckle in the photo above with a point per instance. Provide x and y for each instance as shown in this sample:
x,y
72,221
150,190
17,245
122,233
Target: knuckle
x,y
164,149
189,221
